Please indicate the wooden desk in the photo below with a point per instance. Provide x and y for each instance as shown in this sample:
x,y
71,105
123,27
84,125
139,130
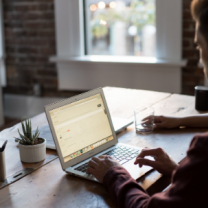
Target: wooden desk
x,y
48,186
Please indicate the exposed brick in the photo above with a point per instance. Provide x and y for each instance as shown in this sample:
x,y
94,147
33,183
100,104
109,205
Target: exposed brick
x,y
190,53
188,25
186,5
192,62
43,72
200,71
29,30
187,14
187,43
189,34
11,71
192,75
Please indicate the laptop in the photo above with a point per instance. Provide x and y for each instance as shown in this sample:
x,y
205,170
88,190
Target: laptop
x,y
81,127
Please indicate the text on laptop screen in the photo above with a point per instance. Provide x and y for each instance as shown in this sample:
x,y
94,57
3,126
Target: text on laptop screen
x,y
81,126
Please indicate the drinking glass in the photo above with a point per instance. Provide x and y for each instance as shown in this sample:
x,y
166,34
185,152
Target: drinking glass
x,y
144,119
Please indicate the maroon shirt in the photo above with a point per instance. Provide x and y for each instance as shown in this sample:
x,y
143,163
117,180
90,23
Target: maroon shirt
x,y
189,187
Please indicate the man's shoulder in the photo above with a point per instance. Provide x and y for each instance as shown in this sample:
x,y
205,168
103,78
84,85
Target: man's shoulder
x,y
200,142
202,135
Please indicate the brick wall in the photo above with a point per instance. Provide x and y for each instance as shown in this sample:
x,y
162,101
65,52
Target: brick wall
x,y
30,40
192,75
29,31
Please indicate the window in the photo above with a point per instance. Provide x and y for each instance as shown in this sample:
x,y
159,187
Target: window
x,y
121,27
132,67
166,18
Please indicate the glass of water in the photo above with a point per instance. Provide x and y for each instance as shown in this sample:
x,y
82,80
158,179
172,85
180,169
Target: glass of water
x,y
144,119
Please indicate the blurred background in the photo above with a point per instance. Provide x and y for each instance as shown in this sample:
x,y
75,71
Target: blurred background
x,y
128,28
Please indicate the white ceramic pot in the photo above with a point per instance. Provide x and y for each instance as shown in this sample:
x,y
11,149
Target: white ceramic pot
x,y
32,153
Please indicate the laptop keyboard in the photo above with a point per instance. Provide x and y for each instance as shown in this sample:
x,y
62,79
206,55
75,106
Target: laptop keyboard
x,y
121,153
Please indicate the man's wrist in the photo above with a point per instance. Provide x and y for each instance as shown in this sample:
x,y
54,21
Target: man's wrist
x,y
115,170
181,121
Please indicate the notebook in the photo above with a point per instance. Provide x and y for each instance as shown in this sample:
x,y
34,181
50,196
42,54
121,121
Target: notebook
x,y
82,127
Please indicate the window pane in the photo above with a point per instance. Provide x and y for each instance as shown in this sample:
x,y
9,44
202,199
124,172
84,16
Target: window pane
x,y
124,27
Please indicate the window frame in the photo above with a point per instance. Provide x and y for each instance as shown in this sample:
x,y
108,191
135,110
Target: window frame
x,y
2,52
70,43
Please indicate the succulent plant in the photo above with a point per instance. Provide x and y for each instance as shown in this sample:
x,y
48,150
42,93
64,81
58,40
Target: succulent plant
x,y
27,138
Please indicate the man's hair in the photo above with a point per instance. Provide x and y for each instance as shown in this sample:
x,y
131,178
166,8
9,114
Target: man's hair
x,y
199,10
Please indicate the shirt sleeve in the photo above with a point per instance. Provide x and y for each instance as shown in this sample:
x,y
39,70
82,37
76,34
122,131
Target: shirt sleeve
x,y
189,183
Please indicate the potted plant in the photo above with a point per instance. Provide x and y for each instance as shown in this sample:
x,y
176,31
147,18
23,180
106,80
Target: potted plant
x,y
31,147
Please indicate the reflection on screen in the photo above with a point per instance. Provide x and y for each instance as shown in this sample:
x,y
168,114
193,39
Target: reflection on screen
x,y
81,126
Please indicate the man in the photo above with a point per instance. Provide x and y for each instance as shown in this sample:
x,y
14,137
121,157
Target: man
x,y
190,178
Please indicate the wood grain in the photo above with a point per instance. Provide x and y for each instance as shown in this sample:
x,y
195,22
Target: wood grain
x,y
49,186
121,102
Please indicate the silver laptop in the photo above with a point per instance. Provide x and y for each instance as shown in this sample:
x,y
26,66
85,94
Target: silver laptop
x,y
81,127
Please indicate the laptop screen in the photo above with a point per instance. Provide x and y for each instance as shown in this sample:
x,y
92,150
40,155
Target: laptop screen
x,y
81,126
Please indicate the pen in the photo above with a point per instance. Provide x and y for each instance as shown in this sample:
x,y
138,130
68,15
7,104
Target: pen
x,y
3,146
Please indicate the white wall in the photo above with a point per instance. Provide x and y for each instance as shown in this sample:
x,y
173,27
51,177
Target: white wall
x,y
87,76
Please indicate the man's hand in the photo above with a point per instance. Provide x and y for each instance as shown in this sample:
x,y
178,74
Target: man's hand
x,y
166,122
163,163
99,166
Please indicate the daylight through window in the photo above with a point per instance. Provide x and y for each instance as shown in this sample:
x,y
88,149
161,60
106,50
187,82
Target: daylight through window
x,y
124,27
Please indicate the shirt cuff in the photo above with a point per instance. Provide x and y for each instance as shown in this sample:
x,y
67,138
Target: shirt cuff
x,y
112,173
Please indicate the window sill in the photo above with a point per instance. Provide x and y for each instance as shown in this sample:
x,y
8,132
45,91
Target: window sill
x,y
119,60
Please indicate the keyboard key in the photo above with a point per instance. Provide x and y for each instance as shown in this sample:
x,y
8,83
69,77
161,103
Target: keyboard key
x,y
135,151
121,154
123,161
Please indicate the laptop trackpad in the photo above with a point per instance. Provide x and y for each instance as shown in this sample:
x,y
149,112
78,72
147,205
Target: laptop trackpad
x,y
135,171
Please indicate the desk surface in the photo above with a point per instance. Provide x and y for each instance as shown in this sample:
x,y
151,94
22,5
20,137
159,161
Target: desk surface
x,y
48,186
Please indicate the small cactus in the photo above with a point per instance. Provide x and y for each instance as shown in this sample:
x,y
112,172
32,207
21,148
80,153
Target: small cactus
x,y
27,138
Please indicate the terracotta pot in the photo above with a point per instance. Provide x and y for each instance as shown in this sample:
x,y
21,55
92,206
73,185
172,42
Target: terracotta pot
x,y
32,153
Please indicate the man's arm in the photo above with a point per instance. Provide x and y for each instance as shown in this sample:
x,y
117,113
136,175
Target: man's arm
x,y
189,181
175,122
124,190
195,121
